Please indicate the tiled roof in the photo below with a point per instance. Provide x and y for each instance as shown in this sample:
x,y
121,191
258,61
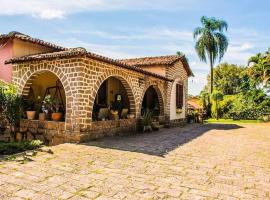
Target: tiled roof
x,y
194,103
73,52
158,60
27,38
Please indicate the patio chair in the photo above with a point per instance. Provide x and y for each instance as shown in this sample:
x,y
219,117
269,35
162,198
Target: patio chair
x,y
103,113
124,113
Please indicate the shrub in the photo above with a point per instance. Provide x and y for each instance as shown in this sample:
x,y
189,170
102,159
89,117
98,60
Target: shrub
x,y
16,147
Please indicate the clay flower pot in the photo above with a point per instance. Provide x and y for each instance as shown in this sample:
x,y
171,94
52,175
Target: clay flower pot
x,y
130,116
31,114
179,110
56,116
41,116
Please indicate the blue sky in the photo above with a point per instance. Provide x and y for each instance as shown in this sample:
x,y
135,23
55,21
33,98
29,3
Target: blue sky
x,y
125,28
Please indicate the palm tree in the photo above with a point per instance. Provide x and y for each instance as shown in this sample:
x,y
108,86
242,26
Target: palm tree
x,y
260,69
211,43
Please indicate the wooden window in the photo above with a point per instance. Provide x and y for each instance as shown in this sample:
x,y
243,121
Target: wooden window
x,y
179,95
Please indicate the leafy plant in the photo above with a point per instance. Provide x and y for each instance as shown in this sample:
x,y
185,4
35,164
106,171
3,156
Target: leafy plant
x,y
7,148
216,97
11,108
147,119
260,69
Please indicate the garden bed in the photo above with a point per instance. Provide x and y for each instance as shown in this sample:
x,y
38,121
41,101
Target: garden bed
x,y
8,148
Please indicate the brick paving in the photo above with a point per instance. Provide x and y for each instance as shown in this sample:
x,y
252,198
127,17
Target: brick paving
x,y
195,162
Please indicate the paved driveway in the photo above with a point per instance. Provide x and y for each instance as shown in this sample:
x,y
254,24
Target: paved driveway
x,y
195,162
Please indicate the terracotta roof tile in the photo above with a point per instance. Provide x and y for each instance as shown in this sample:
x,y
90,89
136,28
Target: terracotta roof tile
x,y
158,60
27,38
73,52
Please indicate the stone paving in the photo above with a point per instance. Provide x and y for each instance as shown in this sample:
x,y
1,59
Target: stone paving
x,y
195,162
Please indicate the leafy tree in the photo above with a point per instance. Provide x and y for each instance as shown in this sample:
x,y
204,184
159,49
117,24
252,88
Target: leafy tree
x,y
211,43
260,69
228,78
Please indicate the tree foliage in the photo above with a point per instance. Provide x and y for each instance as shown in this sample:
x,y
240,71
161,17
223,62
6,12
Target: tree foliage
x,y
245,89
10,108
228,78
259,69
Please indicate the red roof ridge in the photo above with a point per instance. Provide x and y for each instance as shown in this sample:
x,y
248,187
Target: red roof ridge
x,y
27,38
158,60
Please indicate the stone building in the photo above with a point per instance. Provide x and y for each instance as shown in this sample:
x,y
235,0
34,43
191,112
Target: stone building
x,y
90,84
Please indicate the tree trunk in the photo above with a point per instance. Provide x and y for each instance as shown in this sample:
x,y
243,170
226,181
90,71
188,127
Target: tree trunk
x,y
211,75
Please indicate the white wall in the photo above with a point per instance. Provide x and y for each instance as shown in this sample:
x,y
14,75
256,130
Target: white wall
x,y
173,114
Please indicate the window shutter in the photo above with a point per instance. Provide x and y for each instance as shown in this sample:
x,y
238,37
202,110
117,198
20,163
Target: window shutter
x,y
179,95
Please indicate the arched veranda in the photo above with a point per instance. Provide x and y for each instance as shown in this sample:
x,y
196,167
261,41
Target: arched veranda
x,y
152,101
114,100
41,85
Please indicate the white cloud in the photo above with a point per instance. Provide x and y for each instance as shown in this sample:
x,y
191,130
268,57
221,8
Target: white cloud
x,y
51,14
50,9
239,53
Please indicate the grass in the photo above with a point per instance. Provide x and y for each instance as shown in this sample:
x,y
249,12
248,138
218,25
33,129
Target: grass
x,y
231,121
8,148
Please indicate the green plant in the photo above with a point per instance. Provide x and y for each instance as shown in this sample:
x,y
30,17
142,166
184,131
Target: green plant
x,y
211,42
260,69
7,148
14,113
147,119
11,108
216,97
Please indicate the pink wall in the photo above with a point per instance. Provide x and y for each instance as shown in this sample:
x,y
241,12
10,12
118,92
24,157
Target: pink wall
x,y
6,52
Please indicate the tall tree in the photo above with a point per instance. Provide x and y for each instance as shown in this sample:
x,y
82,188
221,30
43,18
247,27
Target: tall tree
x,y
211,43
260,69
228,78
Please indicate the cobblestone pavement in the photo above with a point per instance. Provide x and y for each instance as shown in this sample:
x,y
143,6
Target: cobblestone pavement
x,y
195,162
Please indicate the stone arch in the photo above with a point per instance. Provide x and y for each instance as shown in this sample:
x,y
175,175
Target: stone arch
x,y
159,94
125,82
27,78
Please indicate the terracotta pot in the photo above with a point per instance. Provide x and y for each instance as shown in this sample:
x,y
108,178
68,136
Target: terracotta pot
x,y
41,116
130,116
56,116
31,114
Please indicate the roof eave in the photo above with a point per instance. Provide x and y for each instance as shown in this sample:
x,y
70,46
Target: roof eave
x,y
100,58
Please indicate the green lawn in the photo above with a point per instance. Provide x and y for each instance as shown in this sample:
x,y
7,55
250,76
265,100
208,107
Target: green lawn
x,y
231,121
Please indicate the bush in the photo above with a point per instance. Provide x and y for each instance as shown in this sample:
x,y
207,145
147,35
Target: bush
x,y
7,148
10,108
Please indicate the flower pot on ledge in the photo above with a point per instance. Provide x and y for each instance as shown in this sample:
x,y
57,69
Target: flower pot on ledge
x,y
42,116
179,110
31,114
56,116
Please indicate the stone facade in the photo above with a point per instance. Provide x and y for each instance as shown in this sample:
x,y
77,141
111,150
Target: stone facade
x,y
81,78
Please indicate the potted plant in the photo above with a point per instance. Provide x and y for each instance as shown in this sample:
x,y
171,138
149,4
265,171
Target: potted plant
x,y
30,112
147,121
56,114
40,109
